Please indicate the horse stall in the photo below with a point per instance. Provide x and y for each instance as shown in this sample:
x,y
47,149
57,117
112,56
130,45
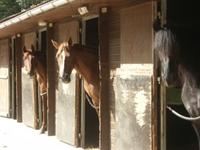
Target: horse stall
x,y
66,101
89,130
121,35
5,78
131,68
173,132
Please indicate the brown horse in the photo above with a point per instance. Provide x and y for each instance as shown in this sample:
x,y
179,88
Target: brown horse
x,y
85,62
34,64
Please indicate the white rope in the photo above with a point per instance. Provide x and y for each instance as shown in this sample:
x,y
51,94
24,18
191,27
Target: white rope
x,y
44,93
91,104
183,117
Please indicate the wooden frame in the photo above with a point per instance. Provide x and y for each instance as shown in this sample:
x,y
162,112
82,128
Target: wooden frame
x,y
104,139
82,96
12,79
50,82
18,46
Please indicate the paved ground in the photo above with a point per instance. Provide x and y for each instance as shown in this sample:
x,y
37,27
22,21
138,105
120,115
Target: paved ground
x,y
17,136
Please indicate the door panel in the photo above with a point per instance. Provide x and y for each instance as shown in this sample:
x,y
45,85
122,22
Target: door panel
x,y
66,114
4,78
28,87
65,111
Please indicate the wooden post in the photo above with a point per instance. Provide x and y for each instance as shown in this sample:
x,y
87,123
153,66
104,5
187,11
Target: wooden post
x,y
104,79
18,48
50,82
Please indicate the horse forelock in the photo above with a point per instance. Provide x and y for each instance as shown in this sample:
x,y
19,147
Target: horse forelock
x,y
62,47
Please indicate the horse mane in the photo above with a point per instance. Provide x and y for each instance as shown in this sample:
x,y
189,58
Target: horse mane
x,y
41,57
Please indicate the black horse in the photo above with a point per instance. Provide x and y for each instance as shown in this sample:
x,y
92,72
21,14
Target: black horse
x,y
178,51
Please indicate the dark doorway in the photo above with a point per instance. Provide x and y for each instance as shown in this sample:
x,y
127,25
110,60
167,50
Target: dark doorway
x,y
180,133
42,47
90,129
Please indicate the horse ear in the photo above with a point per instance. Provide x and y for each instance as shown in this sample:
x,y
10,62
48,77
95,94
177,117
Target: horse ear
x,y
70,41
32,48
55,44
24,49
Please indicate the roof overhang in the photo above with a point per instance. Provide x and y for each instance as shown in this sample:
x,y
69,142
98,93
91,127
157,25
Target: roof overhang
x,y
50,12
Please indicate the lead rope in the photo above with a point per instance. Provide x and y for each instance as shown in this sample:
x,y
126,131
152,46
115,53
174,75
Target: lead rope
x,y
181,116
42,94
90,102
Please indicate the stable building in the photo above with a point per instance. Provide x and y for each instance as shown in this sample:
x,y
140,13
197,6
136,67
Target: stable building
x,y
132,116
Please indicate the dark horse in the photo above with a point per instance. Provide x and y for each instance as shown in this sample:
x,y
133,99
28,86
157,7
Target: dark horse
x,y
34,63
74,56
177,50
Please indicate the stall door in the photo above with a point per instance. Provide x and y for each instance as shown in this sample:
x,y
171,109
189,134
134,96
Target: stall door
x,y
28,87
4,78
66,113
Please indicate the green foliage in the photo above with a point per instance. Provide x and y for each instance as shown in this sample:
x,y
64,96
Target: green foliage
x,y
8,7
24,4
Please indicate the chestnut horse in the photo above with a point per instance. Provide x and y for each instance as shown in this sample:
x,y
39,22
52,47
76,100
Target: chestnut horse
x,y
74,56
34,63
177,50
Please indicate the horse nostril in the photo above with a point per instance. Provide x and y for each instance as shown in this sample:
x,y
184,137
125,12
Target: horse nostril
x,y
66,77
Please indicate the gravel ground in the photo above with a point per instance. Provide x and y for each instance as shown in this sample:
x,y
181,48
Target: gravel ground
x,y
17,136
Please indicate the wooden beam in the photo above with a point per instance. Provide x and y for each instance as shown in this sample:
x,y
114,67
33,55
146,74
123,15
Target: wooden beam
x,y
12,78
50,82
18,56
104,79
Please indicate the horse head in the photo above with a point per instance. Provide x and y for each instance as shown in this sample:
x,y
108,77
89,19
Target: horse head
x,y
167,50
64,59
29,60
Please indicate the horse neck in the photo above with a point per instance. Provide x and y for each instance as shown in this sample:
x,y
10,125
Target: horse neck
x,y
86,64
41,75
187,77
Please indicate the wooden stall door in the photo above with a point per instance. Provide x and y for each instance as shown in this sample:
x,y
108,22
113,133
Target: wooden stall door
x,y
4,78
28,115
133,79
66,114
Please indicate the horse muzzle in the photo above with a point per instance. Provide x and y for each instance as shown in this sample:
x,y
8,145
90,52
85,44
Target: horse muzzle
x,y
66,78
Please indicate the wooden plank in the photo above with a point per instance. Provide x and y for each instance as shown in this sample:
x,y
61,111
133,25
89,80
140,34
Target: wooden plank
x,y
136,48
104,79
155,104
12,85
51,80
18,47
77,110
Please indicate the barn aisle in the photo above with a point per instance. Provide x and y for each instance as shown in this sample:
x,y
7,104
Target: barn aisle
x,y
17,136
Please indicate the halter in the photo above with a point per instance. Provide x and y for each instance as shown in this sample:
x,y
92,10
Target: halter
x,y
90,102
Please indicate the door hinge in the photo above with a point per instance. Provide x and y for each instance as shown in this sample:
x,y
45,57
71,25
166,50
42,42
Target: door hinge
x,y
79,136
158,80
